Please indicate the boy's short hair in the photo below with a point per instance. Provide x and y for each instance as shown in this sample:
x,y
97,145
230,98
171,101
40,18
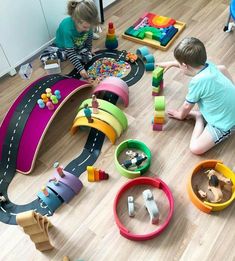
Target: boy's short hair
x,y
83,11
191,51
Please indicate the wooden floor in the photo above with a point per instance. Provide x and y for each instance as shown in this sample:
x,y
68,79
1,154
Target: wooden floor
x,y
85,227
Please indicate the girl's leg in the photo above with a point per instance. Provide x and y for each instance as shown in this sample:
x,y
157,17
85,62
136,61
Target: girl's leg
x,y
201,140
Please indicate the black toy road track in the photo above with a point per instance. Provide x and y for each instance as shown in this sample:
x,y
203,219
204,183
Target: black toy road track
x,y
88,156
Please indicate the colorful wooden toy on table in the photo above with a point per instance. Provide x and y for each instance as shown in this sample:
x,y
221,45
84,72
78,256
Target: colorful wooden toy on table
x,y
36,226
154,30
111,41
151,206
223,183
157,81
159,113
95,174
155,183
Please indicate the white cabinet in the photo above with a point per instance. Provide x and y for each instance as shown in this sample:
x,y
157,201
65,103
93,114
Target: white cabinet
x,y
23,29
4,65
27,27
107,2
54,12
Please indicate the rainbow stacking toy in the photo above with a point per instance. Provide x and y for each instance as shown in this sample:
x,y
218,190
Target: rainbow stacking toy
x,y
111,41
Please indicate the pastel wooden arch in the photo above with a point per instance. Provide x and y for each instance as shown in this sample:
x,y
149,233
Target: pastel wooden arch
x,y
97,124
106,117
119,91
109,107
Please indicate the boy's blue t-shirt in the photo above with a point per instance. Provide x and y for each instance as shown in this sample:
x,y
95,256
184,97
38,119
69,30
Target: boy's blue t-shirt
x,y
215,95
67,35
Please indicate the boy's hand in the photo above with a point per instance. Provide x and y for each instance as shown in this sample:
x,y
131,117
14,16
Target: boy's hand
x,y
175,114
84,74
168,65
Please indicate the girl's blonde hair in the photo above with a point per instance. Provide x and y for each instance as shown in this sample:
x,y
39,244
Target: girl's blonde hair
x,y
83,11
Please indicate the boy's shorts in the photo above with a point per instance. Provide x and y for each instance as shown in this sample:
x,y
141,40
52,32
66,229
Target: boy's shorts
x,y
219,135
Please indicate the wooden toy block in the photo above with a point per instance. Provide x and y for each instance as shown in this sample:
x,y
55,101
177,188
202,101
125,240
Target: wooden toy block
x,y
159,114
131,206
156,89
158,120
159,103
95,174
36,226
164,31
151,206
158,72
157,127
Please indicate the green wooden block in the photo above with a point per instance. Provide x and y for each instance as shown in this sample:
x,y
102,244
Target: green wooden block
x,y
159,103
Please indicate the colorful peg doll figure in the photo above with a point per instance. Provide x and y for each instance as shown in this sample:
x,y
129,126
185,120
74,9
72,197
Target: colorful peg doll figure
x,y
41,103
95,104
57,94
87,113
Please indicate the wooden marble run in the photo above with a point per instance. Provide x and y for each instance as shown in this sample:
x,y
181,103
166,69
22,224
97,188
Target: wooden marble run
x,y
154,30
218,176
36,226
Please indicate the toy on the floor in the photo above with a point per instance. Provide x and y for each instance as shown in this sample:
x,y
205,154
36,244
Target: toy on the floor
x,y
111,41
106,67
95,104
159,114
136,145
131,57
95,174
151,182
231,19
157,81
25,71
36,226
2,198
221,190
116,86
88,112
62,187
148,58
154,30
135,160
151,206
131,206
48,99
110,120
216,182
107,63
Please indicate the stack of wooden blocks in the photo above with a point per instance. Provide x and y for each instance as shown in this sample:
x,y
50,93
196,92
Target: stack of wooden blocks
x,y
159,114
157,81
36,226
